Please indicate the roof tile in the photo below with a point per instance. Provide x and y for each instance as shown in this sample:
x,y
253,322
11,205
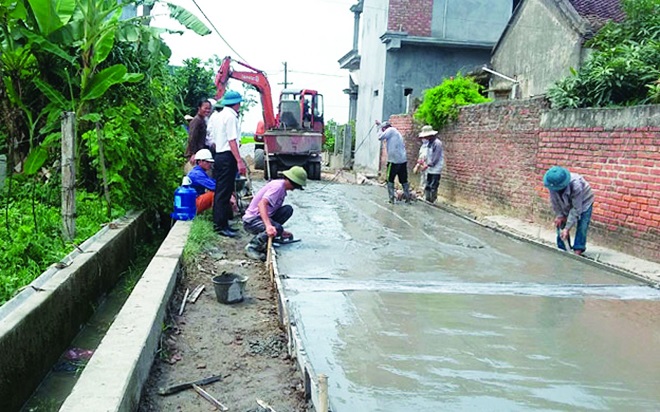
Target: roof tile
x,y
599,12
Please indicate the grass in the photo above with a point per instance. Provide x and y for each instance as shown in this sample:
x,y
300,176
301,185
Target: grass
x,y
247,139
201,237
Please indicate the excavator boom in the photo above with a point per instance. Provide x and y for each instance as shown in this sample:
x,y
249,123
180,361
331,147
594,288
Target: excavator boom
x,y
256,78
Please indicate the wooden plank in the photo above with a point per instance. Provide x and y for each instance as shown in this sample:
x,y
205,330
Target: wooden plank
x,y
195,294
209,398
183,302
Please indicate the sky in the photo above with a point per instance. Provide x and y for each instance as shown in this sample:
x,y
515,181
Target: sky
x,y
309,35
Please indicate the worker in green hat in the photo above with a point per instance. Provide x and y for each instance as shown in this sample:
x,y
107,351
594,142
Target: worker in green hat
x,y
572,201
267,212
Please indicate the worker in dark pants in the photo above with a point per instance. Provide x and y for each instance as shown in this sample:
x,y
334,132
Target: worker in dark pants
x,y
225,133
572,201
432,165
397,163
267,213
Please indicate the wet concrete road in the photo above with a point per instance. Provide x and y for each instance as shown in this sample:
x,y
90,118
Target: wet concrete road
x,y
407,307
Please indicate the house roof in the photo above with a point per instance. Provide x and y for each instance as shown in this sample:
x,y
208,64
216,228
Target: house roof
x,y
598,12
594,13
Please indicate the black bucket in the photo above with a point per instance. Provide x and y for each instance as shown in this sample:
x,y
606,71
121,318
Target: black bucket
x,y
229,287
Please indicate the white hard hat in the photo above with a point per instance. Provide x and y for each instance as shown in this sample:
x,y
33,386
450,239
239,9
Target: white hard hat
x,y
204,154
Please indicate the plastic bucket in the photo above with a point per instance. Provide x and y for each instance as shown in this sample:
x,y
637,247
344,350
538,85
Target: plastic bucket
x,y
229,287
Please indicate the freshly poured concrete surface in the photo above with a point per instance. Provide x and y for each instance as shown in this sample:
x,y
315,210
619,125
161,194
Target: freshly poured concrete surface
x,y
409,307
113,378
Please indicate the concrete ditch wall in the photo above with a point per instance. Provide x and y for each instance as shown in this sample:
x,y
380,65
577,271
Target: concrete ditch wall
x,y
38,324
114,377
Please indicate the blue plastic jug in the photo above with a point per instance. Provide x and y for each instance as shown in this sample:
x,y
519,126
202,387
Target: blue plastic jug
x,y
184,202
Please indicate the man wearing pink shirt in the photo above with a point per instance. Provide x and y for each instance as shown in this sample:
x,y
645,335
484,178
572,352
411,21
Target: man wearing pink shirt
x,y
267,212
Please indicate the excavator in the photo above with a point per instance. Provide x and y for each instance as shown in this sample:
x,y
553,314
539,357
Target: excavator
x,y
293,137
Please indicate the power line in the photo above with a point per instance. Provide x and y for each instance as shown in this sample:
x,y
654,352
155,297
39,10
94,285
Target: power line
x,y
318,74
216,30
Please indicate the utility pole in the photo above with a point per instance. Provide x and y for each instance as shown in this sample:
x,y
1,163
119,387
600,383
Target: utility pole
x,y
286,83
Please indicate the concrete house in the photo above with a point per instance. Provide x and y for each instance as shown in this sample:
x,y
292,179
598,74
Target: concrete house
x,y
403,47
543,40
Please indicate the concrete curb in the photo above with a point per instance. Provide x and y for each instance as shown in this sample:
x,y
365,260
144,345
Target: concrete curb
x,y
39,323
114,377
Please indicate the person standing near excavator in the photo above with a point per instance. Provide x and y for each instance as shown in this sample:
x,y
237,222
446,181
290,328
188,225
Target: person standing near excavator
x,y
397,163
225,132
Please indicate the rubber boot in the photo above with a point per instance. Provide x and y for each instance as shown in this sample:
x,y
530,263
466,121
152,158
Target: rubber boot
x,y
427,195
434,196
406,192
390,191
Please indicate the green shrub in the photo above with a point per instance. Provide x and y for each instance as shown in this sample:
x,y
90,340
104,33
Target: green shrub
x,y
440,104
624,68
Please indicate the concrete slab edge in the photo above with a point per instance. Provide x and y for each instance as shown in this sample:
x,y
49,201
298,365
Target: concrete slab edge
x,y
295,343
114,377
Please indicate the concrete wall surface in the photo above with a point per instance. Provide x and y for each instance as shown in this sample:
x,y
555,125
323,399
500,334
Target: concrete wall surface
x,y
114,377
539,48
496,155
38,324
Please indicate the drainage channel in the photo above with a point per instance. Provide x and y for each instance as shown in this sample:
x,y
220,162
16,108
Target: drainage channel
x,y
59,382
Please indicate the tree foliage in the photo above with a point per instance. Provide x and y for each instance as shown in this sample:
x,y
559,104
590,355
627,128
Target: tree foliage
x,y
80,56
441,104
624,67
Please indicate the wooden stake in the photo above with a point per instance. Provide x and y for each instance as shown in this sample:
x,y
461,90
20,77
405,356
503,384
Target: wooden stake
x,y
69,175
209,398
323,393
183,302
269,259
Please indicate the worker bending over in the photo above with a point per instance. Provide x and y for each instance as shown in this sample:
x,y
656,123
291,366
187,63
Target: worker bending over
x,y
572,201
267,213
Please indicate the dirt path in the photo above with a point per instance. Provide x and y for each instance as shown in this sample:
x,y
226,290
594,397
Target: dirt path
x,y
243,342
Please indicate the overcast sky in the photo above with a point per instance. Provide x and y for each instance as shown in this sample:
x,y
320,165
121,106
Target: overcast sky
x,y
310,35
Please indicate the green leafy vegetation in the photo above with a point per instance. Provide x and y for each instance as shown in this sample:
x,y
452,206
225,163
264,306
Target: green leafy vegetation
x,y
332,131
441,104
623,69
30,235
80,56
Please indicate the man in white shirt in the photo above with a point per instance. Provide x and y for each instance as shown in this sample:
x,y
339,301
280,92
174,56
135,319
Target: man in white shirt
x,y
225,133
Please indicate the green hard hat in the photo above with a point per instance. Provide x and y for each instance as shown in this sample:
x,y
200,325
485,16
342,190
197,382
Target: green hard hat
x,y
297,175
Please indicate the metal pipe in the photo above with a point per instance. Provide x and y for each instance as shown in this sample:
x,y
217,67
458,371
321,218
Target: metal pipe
x,y
500,75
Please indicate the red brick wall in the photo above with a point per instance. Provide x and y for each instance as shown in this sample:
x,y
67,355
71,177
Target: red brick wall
x,y
622,166
496,155
411,16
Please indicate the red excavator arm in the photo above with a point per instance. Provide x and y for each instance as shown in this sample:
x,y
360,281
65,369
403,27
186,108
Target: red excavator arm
x,y
256,78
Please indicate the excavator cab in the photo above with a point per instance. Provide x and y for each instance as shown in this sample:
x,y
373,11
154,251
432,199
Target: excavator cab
x,y
301,110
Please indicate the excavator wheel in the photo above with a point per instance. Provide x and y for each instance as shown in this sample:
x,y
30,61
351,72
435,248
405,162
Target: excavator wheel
x,y
259,159
272,171
314,170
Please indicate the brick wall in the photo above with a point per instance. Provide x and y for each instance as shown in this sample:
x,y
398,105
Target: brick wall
x,y
622,166
411,16
496,155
